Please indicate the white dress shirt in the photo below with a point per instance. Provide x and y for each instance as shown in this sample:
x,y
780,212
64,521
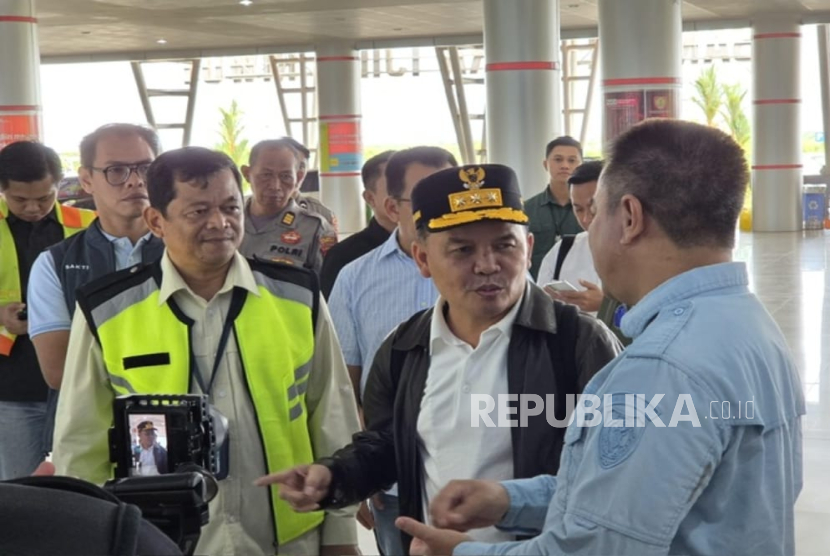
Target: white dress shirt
x,y
578,264
450,447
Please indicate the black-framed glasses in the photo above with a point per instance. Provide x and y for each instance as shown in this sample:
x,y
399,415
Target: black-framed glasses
x,y
119,174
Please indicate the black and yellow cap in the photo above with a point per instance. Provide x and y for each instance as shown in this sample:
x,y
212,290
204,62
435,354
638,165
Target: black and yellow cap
x,y
467,194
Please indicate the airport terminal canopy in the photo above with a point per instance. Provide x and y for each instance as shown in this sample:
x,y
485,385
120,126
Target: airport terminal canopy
x,y
98,30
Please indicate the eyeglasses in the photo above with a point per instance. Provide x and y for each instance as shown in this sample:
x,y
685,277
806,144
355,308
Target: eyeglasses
x,y
403,199
119,174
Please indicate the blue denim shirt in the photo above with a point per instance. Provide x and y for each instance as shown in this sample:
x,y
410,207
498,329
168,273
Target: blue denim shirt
x,y
727,486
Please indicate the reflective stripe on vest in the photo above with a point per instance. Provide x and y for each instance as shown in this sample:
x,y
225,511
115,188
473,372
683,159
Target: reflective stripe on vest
x,y
276,344
73,221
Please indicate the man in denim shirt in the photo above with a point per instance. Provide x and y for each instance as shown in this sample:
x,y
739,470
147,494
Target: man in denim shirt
x,y
714,466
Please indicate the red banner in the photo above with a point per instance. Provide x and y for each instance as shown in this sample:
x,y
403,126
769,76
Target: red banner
x,y
624,109
18,127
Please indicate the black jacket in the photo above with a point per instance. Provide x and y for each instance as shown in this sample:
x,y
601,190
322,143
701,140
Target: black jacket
x,y
553,349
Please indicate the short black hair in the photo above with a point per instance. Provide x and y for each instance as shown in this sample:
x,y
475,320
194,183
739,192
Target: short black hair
x,y
586,172
564,141
282,143
28,161
185,164
689,177
299,147
434,157
370,172
89,144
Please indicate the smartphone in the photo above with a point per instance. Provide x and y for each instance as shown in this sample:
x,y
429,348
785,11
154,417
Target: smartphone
x,y
23,314
561,286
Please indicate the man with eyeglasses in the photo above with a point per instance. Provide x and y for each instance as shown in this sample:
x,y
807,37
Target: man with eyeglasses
x,y
114,163
276,227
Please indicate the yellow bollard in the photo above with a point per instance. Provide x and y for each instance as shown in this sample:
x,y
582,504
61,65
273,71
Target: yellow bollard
x,y
745,221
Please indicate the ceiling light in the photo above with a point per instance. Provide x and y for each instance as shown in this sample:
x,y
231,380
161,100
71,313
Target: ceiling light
x,y
161,41
246,2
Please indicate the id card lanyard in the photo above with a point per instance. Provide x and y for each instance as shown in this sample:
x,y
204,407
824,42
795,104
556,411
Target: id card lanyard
x,y
235,308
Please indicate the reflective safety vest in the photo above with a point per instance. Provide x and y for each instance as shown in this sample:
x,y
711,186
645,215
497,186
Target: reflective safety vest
x,y
73,221
146,350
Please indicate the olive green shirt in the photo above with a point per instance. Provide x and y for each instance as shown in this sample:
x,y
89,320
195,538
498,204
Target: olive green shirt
x,y
548,222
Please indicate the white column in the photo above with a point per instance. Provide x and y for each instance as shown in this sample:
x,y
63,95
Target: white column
x,y
640,44
341,145
776,130
20,110
521,47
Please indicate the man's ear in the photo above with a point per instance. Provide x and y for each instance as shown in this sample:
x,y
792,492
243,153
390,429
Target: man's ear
x,y
155,221
369,198
85,177
530,240
245,170
391,206
632,218
419,254
545,164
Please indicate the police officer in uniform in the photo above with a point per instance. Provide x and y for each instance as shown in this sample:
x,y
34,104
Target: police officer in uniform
x,y
276,227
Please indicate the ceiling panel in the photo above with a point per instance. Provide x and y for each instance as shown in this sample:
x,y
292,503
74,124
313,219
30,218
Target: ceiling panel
x,y
131,28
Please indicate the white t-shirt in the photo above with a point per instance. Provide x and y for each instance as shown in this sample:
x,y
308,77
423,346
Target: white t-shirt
x,y
147,462
451,448
578,264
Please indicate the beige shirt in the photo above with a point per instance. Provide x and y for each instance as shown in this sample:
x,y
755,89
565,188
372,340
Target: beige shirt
x,y
240,516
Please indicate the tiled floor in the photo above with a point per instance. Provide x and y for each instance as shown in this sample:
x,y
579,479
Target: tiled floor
x,y
789,273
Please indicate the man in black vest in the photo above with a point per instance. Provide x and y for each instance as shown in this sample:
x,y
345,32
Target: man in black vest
x,y
114,163
493,335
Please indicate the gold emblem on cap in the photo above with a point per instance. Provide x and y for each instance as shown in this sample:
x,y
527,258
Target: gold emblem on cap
x,y
473,178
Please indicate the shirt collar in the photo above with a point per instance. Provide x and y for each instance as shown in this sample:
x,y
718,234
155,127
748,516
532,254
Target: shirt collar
x,y
239,275
440,331
112,239
391,246
692,283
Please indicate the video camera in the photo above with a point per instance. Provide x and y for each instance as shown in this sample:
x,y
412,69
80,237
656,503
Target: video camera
x,y
169,451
